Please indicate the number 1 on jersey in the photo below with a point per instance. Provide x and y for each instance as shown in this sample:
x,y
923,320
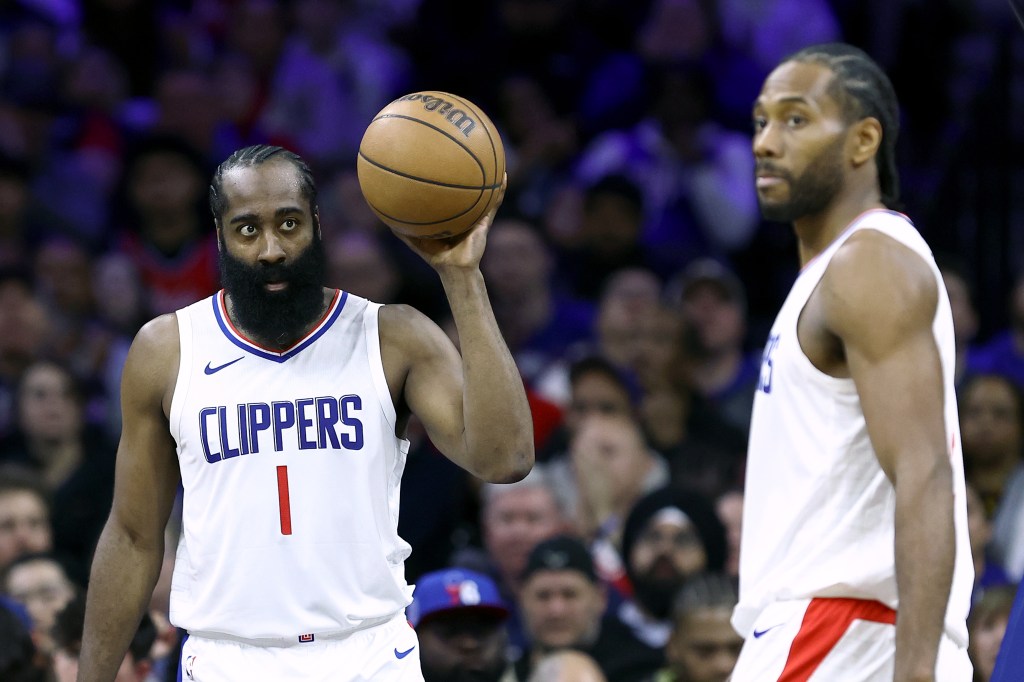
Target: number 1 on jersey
x,y
282,500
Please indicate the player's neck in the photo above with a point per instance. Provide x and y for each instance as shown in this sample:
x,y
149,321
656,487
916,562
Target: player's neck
x,y
816,232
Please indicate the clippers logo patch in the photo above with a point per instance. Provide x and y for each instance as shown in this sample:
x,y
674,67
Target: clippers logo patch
x,y
306,638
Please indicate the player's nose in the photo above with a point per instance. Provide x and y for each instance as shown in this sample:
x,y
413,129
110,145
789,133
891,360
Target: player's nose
x,y
271,248
767,141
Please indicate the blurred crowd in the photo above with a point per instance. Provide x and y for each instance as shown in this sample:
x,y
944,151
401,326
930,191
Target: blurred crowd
x,y
629,270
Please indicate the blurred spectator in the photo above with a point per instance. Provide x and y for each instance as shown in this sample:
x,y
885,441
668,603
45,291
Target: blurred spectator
x,y
992,429
567,665
669,536
538,322
25,330
1009,663
987,572
121,299
24,515
74,459
562,601
703,646
166,227
986,627
609,234
608,468
40,583
961,302
713,303
514,517
19,660
359,263
67,635
1004,354
629,297
93,351
694,174
540,144
595,387
17,234
729,507
334,73
459,618
769,30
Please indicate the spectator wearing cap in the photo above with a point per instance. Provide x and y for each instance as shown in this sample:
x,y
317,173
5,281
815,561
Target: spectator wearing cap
x,y
713,303
670,535
459,618
514,517
561,600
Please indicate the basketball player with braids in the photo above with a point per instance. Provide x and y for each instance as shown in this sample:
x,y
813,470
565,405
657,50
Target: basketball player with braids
x,y
854,559
281,408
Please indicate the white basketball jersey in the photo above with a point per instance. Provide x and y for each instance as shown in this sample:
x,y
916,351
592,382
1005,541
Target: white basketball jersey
x,y
819,512
291,472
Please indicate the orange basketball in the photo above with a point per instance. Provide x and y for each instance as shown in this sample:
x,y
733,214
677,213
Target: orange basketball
x,y
430,164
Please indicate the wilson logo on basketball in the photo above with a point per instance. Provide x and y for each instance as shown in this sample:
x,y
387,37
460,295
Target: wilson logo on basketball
x,y
457,117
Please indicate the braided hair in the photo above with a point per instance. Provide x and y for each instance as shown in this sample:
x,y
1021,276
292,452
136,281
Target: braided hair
x,y
862,89
254,156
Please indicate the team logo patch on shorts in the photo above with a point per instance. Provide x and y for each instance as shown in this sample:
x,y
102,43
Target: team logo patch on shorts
x,y
306,638
190,662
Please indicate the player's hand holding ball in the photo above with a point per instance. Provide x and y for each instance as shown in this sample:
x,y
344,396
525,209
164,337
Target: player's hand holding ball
x,y
431,166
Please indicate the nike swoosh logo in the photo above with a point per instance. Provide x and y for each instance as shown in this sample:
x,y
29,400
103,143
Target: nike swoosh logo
x,y
759,633
403,654
214,370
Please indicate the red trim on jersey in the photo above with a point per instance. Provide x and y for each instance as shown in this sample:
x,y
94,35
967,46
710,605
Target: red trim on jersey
x,y
222,302
825,622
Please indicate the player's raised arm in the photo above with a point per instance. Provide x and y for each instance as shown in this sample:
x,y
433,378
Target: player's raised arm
x,y
473,407
130,549
880,299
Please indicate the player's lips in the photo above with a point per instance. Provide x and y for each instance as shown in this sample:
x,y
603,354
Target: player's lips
x,y
276,286
765,180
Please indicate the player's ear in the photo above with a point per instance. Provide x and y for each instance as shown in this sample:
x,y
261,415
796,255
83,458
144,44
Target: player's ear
x,y
866,138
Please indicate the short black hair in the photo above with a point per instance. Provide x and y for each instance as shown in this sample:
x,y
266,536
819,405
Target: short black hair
x,y
256,155
862,89
614,184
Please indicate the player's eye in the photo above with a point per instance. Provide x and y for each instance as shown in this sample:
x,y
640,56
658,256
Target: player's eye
x,y
289,224
759,123
247,230
795,120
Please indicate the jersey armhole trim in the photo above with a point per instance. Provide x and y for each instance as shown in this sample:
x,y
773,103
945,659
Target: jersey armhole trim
x,y
371,328
183,379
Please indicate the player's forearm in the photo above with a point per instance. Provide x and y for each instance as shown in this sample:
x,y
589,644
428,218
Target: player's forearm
x,y
120,585
924,569
499,429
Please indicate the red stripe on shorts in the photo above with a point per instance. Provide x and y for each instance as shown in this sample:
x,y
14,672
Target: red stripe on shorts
x,y
825,621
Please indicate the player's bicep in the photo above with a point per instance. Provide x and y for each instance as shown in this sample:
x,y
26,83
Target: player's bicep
x,y
881,300
433,383
147,475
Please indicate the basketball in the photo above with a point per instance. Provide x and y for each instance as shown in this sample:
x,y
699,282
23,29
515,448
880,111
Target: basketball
x,y
430,165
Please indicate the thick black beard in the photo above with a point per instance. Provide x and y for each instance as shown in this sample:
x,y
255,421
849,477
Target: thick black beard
x,y
812,192
276,317
656,596
492,674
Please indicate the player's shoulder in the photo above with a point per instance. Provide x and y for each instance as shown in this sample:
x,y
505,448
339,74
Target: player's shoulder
x,y
156,344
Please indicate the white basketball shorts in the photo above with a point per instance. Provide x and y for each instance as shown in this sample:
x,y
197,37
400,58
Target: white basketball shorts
x,y
833,640
386,653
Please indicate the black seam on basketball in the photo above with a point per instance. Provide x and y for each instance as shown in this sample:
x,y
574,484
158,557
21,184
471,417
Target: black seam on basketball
x,y
435,222
481,115
482,188
483,171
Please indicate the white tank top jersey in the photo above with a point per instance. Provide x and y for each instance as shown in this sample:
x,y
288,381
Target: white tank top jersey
x,y
818,518
291,472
